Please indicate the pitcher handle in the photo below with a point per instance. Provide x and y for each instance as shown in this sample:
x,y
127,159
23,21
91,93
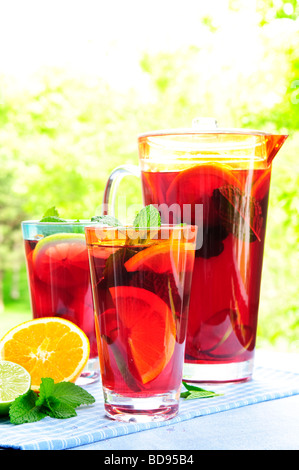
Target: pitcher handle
x,y
112,184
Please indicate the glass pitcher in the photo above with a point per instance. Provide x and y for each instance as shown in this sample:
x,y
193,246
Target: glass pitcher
x,y
217,179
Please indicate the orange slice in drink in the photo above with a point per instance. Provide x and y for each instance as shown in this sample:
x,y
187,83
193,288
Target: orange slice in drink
x,y
47,347
201,180
148,327
60,258
162,257
196,185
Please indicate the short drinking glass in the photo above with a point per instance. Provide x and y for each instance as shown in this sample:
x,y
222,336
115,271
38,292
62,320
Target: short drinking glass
x,y
59,279
141,282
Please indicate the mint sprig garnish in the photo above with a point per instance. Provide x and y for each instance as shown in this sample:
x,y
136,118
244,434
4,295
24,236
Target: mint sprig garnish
x,y
194,392
147,217
106,220
25,410
57,400
145,225
114,267
51,215
238,212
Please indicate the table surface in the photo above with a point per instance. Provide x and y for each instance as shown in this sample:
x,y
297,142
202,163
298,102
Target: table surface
x,y
270,425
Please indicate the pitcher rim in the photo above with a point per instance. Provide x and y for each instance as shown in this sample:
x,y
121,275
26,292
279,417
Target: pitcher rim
x,y
190,131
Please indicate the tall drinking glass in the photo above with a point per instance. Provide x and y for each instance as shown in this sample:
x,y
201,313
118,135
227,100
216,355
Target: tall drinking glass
x,y
218,179
59,279
141,282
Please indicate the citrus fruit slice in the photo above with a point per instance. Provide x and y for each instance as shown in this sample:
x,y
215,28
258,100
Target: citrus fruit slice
x,y
162,257
60,258
47,347
14,381
148,328
196,185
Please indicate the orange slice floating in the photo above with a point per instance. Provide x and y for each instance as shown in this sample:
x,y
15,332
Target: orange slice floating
x,y
149,326
201,180
163,257
196,185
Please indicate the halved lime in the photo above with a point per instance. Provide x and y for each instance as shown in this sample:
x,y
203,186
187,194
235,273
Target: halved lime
x,y
14,381
59,259
51,241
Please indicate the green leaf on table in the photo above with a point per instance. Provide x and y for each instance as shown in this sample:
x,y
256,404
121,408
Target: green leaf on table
x,y
55,400
194,392
24,409
59,410
66,392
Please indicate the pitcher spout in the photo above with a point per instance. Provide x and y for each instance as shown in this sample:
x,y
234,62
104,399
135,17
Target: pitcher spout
x,y
273,145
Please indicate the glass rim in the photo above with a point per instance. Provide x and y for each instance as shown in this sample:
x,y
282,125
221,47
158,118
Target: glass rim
x,y
106,235
96,224
190,131
131,227
65,222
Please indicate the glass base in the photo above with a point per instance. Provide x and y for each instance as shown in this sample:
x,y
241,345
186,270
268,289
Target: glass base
x,y
91,373
141,410
218,373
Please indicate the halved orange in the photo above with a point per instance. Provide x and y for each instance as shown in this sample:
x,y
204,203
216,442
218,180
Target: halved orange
x,y
148,328
47,347
162,257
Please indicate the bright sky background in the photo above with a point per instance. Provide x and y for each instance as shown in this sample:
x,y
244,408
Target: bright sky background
x,y
107,37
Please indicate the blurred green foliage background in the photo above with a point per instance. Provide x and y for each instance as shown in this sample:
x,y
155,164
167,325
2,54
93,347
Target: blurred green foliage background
x,y
64,128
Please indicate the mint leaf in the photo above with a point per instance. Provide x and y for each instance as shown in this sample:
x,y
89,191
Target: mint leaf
x,y
194,392
191,387
59,410
147,217
199,394
239,212
71,394
115,272
51,215
64,393
106,220
51,212
45,390
55,400
24,409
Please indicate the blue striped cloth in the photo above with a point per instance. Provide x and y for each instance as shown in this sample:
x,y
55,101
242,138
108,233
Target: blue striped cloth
x,y
90,425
